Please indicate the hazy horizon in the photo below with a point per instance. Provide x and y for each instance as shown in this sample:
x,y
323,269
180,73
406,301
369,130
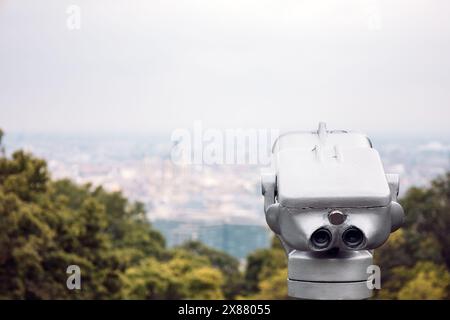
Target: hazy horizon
x,y
166,133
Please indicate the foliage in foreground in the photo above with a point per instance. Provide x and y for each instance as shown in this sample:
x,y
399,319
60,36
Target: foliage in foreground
x,y
46,225
416,260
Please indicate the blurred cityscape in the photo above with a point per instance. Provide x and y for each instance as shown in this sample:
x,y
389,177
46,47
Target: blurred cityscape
x,y
218,205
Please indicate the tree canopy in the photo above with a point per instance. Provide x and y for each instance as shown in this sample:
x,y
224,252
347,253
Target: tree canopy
x,y
47,225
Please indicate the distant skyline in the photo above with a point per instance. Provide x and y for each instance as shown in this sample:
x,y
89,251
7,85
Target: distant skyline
x,y
375,66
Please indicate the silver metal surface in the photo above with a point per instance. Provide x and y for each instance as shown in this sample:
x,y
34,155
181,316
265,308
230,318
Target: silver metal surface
x,y
343,266
329,291
329,201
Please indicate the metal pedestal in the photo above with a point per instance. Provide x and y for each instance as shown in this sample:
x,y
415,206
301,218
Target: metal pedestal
x,y
329,275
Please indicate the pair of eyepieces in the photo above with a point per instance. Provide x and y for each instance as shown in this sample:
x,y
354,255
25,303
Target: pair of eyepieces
x,y
352,238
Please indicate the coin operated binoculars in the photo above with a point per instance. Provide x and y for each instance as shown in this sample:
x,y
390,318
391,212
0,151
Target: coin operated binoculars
x,y
329,201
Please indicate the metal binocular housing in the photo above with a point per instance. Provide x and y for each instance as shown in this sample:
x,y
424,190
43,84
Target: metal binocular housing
x,y
329,201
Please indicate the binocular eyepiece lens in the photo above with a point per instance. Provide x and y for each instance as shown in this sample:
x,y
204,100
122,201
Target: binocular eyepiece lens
x,y
321,238
352,237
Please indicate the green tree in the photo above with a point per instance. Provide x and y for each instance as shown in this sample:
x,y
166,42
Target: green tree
x,y
425,281
422,242
2,149
151,279
264,264
182,276
228,265
273,287
46,225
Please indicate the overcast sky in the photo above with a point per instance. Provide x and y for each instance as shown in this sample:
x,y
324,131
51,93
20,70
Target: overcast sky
x,y
151,65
